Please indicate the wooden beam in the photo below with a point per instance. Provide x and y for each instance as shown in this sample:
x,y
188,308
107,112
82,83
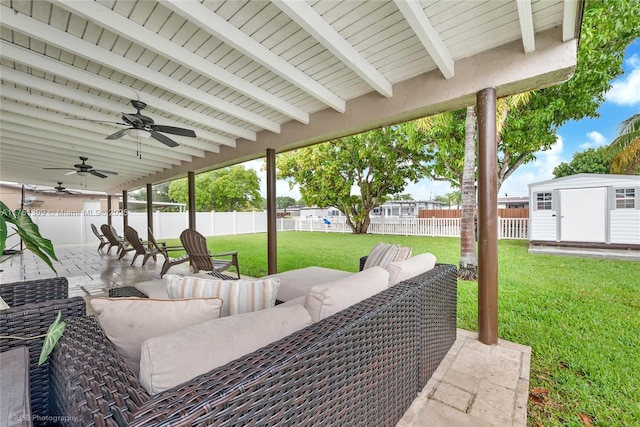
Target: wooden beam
x,y
487,217
272,246
191,199
125,209
149,210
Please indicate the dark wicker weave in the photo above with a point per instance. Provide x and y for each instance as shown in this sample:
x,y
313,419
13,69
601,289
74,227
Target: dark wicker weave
x,y
91,383
362,366
30,320
21,293
126,291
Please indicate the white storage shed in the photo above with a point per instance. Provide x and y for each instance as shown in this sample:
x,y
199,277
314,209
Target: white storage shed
x,y
587,210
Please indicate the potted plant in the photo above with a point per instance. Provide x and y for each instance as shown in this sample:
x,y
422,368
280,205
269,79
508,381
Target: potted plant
x,y
30,234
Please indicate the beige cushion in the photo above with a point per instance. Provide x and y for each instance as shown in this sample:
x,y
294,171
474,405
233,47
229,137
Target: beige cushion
x,y
403,270
239,296
384,253
3,304
295,283
156,289
128,322
329,298
174,358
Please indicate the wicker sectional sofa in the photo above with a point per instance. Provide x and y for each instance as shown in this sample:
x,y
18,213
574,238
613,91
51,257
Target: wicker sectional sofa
x,y
361,366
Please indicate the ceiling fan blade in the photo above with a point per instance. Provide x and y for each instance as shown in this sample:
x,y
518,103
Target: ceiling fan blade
x,y
106,172
174,130
71,173
60,169
163,138
98,174
117,135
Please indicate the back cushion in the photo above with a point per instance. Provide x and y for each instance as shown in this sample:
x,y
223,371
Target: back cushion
x,y
329,298
403,270
128,322
177,357
238,296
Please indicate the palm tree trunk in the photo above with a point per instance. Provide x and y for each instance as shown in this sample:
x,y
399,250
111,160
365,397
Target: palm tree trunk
x,y
468,254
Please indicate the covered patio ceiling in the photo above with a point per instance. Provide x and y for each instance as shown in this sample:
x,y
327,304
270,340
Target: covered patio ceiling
x,y
248,76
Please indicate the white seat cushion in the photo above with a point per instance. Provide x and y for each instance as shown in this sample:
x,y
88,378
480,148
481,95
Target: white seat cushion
x,y
156,289
177,357
295,283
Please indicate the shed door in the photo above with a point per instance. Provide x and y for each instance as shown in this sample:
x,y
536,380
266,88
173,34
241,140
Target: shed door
x,y
583,215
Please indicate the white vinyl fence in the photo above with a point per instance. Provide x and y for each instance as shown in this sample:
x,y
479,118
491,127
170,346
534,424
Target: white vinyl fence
x,y
508,228
75,227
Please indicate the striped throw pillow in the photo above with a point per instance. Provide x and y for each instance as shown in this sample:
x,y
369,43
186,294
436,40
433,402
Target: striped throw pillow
x,y
238,296
385,253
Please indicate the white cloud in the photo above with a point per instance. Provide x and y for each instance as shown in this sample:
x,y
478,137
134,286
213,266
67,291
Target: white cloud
x,y
626,89
596,139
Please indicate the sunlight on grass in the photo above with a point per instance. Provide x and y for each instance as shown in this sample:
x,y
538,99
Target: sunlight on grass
x,y
581,316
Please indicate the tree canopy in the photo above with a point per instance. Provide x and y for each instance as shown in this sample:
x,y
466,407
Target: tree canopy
x,y
625,149
355,174
589,161
224,190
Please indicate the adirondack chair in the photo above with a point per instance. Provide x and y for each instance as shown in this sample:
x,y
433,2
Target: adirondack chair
x,y
103,240
201,259
146,249
164,250
114,240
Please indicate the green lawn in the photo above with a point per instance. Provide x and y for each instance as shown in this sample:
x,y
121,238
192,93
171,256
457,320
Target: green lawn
x,y
581,316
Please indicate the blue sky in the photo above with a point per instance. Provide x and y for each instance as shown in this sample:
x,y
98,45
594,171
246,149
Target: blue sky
x,y
622,101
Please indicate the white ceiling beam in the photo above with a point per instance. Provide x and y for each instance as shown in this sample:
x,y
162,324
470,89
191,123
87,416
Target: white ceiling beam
x,y
196,13
49,134
49,65
74,110
47,86
77,139
22,147
29,116
569,20
525,15
118,24
429,37
314,24
23,24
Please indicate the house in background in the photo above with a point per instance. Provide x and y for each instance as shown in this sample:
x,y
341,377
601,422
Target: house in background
x,y
586,211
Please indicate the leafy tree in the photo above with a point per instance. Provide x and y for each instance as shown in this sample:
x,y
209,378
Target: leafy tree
x,y
283,202
451,199
588,161
401,197
326,173
236,189
224,190
625,149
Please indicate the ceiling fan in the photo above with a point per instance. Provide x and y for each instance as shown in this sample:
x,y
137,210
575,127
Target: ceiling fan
x,y
138,124
60,190
83,169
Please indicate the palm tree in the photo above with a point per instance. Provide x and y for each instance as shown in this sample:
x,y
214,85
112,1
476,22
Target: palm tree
x,y
445,122
625,149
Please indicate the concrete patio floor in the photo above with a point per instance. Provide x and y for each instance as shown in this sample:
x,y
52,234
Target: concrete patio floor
x,y
475,385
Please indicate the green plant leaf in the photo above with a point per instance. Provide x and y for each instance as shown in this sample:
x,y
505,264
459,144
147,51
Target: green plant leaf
x,y
30,235
3,233
51,339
